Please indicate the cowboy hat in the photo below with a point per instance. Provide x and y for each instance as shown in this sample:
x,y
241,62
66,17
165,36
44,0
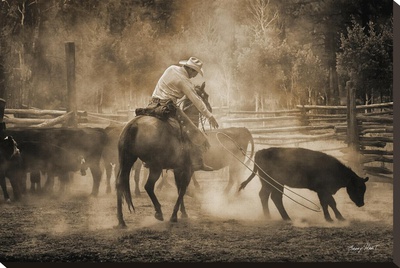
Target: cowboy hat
x,y
193,63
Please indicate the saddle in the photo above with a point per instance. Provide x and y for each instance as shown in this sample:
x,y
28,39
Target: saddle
x,y
166,110
159,109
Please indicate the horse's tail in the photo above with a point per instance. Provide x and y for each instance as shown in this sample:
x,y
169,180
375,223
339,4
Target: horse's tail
x,y
252,175
126,161
251,140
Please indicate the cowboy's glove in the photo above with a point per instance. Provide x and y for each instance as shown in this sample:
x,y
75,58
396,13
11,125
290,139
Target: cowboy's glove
x,y
213,122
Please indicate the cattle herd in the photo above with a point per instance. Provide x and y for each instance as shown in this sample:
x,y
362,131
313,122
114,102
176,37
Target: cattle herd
x,y
58,152
53,152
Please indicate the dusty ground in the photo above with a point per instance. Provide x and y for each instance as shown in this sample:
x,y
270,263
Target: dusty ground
x,y
75,227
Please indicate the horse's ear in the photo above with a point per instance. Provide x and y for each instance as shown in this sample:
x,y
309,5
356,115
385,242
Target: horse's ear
x,y
203,85
366,179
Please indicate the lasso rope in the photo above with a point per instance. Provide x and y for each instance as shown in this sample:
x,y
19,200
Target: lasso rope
x,y
244,153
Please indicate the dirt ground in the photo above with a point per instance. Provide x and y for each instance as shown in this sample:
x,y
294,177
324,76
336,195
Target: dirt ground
x,y
74,227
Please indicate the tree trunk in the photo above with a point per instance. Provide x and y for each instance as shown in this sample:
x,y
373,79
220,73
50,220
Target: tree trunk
x,y
2,76
333,85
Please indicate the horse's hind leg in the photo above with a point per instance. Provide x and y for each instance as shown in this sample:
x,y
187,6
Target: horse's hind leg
x,y
183,208
137,167
182,180
154,175
122,186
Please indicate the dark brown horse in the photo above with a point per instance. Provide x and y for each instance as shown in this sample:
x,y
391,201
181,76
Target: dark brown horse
x,y
159,144
110,152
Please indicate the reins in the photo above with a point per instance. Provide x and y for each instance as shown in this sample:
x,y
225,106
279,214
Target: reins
x,y
244,153
202,120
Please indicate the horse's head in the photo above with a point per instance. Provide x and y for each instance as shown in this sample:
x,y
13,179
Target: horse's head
x,y
190,110
203,95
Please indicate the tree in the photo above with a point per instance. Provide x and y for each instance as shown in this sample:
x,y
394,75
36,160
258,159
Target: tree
x,y
366,58
330,18
258,54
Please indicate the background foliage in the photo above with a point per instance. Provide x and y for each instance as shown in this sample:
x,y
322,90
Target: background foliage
x,y
258,54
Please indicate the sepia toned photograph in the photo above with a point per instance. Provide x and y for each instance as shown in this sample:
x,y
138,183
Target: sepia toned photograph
x,y
139,132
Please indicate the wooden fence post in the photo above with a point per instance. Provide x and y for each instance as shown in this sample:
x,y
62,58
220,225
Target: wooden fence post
x,y
100,100
71,90
303,117
352,126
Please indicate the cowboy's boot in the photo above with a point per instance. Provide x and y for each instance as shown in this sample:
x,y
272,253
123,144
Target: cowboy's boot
x,y
196,156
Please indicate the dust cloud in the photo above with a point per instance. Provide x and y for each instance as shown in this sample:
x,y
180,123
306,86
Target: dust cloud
x,y
246,206
120,69
100,213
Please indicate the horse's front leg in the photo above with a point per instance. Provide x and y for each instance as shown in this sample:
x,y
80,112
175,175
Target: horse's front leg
x,y
182,180
154,175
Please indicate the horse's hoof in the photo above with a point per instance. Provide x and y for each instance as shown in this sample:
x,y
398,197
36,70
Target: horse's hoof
x,y
8,200
159,216
174,219
341,219
184,216
93,194
121,226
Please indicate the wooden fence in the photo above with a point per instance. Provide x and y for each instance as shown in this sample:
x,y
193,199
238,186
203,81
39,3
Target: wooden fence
x,y
297,127
374,128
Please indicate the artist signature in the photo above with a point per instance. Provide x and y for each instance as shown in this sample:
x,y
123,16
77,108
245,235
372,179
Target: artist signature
x,y
361,248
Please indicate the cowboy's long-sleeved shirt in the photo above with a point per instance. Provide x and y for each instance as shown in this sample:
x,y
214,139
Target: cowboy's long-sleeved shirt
x,y
174,84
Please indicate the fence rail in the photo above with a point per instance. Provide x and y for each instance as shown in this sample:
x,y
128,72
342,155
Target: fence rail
x,y
320,123
272,128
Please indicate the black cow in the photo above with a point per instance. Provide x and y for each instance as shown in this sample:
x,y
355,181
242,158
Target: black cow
x,y
58,151
9,153
304,168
